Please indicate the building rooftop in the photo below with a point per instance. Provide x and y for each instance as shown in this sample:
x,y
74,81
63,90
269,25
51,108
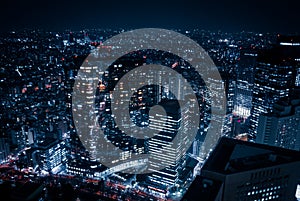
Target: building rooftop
x,y
232,156
48,143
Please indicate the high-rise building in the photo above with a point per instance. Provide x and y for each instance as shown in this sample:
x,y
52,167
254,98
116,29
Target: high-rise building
x,y
51,154
290,46
242,94
282,127
239,170
274,76
243,98
4,149
84,105
176,87
171,157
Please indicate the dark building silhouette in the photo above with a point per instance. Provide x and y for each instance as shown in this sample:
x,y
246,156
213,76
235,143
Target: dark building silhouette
x,y
276,73
28,191
281,127
239,170
4,149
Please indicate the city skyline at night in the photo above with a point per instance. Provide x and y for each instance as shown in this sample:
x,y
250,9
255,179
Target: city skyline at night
x,y
40,141
150,100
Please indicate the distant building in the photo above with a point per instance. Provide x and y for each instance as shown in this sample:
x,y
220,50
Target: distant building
x,y
243,98
239,170
244,82
48,155
290,46
4,149
282,127
237,123
84,167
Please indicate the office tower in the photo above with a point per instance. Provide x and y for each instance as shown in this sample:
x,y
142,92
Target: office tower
x,y
230,91
239,170
214,110
176,87
28,134
171,157
49,155
290,46
84,105
19,138
244,82
169,152
4,149
281,127
243,93
243,98
275,76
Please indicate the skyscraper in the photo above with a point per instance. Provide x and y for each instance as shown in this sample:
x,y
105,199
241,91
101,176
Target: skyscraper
x,y
274,76
244,83
281,127
4,149
171,156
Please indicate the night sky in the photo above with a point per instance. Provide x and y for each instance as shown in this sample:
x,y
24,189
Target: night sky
x,y
227,15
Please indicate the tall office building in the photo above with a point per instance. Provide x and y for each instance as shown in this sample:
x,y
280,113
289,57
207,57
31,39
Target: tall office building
x,y
239,170
282,127
83,106
275,76
171,157
176,87
290,46
4,149
52,154
244,82
243,98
